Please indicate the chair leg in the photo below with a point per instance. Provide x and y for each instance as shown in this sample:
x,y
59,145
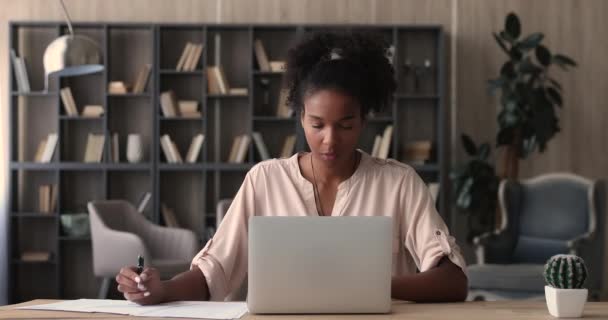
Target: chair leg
x,y
105,288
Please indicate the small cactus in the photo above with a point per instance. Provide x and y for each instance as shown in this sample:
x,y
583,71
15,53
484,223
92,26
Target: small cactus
x,y
565,271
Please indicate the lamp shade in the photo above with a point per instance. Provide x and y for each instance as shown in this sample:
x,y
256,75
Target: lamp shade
x,y
71,55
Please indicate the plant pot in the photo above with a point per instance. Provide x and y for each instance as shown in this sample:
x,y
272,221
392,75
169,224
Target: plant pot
x,y
565,303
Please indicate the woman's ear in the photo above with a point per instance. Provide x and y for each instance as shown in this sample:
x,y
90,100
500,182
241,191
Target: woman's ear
x,y
302,117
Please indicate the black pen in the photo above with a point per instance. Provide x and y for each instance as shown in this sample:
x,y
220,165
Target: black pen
x,y
140,264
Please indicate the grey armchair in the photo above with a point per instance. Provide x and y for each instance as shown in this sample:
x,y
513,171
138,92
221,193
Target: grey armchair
x,y
541,217
119,234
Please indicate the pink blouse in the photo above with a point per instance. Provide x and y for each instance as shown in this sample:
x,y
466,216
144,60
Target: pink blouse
x,y
378,187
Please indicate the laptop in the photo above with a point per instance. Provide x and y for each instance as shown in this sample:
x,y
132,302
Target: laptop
x,y
319,265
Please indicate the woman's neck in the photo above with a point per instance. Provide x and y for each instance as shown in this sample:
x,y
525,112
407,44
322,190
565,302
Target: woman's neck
x,y
335,174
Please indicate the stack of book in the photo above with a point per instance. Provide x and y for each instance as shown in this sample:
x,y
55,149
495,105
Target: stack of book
x,y
238,151
173,155
171,107
190,57
47,198
23,82
69,105
114,148
142,79
46,148
264,64
218,84
92,111
382,144
36,256
94,148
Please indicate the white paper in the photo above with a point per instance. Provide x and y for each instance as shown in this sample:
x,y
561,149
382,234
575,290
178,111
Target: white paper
x,y
181,309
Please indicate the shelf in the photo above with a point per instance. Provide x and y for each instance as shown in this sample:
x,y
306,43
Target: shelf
x,y
273,119
34,94
225,166
34,165
81,166
182,166
129,95
78,118
174,72
125,166
163,118
34,215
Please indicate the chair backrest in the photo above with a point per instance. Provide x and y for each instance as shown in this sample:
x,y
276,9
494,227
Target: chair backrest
x,y
106,218
545,212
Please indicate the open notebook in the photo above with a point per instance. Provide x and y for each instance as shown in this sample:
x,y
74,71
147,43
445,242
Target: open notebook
x,y
178,309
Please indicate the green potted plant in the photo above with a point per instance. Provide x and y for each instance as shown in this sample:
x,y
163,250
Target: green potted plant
x,y
565,275
527,121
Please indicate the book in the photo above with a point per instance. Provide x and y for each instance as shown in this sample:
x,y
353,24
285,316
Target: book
x,y
175,152
143,202
195,148
222,80
288,146
35,256
117,87
213,86
94,148
187,106
241,153
234,149
69,105
261,56
169,216
260,145
376,147
193,57
165,143
238,91
168,104
53,200
184,56
277,66
40,150
385,144
44,195
20,70
49,148
142,79
92,111
115,150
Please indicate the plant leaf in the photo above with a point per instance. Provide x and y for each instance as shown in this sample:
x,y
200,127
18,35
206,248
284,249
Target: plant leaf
x,y
469,145
512,25
555,96
543,55
515,53
563,60
500,43
531,41
508,70
555,84
484,151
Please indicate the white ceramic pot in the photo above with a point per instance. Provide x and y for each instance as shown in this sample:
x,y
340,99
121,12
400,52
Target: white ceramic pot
x,y
565,303
134,148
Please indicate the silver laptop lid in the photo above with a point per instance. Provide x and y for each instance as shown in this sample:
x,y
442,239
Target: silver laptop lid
x,y
319,264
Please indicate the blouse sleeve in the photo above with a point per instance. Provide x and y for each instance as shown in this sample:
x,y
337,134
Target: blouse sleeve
x,y
427,238
223,260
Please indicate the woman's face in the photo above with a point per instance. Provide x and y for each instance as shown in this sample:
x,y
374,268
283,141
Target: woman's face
x,y
332,124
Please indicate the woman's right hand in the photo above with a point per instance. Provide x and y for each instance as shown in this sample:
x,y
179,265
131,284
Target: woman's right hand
x,y
145,288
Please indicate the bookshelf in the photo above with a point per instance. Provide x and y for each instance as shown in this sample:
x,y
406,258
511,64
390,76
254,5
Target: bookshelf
x,y
191,190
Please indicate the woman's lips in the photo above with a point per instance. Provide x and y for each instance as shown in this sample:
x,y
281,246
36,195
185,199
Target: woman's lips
x,y
328,156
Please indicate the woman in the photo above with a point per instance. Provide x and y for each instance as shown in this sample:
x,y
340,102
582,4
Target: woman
x,y
335,81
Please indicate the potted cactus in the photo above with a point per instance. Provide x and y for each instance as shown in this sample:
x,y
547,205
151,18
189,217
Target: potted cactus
x,y
565,275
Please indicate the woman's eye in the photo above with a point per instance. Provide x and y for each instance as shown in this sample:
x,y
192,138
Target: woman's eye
x,y
317,126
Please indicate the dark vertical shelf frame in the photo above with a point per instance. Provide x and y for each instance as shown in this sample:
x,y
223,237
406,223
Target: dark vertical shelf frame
x,y
192,190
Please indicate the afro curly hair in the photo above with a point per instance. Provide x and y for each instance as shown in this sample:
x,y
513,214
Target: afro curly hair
x,y
353,63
